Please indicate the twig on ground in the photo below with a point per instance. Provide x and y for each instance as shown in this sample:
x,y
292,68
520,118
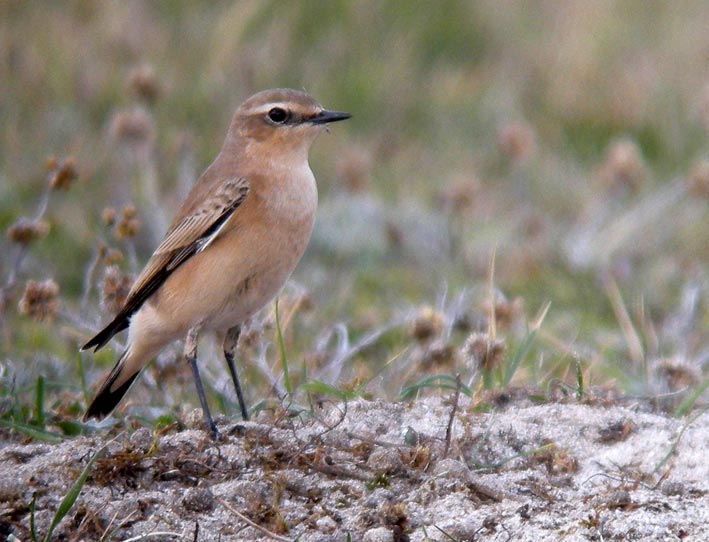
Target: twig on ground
x,y
490,493
153,534
246,520
449,427
110,529
334,470
672,449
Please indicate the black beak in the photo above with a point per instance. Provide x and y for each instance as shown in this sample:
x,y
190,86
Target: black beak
x,y
325,117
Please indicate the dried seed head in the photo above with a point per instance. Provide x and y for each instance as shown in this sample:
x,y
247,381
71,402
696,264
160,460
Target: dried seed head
x,y
25,231
129,224
250,337
677,375
506,312
460,195
394,235
624,166
61,174
305,302
698,180
132,126
482,352
437,356
112,256
127,228
463,321
144,84
427,324
40,300
108,216
114,289
51,162
516,141
129,211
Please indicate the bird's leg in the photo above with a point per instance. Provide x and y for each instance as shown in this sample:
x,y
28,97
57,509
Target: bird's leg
x,y
191,358
230,340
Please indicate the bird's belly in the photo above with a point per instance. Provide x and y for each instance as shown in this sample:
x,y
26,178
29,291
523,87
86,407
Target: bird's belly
x,y
235,276
246,297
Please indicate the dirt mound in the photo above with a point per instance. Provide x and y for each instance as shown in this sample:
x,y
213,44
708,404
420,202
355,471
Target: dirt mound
x,y
380,472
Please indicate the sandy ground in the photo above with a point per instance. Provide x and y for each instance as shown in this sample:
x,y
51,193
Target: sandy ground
x,y
375,472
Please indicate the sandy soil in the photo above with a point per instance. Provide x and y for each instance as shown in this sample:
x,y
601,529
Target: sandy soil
x,y
376,471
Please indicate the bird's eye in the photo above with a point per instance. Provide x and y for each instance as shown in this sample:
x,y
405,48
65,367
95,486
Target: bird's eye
x,y
278,115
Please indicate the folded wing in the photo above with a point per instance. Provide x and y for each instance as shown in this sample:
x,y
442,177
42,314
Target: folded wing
x,y
189,236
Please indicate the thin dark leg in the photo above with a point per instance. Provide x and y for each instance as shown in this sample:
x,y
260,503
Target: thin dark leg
x,y
191,358
230,340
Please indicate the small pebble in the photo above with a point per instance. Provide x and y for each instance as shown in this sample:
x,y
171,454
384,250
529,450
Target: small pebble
x,y
11,488
198,499
670,488
385,460
141,440
618,499
326,524
451,469
378,534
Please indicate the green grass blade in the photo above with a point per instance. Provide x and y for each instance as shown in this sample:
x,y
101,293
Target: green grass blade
x,y
32,432
488,382
69,428
33,529
73,494
282,354
519,355
579,379
526,345
686,405
675,443
317,386
39,403
443,382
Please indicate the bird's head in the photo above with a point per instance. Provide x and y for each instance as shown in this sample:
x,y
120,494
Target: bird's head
x,y
281,119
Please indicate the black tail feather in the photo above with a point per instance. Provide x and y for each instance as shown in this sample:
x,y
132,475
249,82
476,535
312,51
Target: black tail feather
x,y
100,340
106,400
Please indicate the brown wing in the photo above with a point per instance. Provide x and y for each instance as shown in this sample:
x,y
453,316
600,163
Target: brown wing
x,y
189,236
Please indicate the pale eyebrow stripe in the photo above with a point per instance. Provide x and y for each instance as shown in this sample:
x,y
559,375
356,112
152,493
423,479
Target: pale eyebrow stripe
x,y
265,108
293,107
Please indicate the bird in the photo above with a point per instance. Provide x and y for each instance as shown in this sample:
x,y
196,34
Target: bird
x,y
233,243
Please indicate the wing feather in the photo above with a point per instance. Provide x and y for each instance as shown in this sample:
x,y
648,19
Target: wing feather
x,y
189,236
181,241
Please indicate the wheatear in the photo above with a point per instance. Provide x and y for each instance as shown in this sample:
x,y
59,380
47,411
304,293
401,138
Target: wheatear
x,y
231,247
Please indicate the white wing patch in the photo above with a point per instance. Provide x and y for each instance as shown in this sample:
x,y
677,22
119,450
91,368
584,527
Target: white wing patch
x,y
227,198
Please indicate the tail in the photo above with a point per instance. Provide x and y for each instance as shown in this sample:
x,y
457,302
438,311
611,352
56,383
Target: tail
x,y
118,324
106,399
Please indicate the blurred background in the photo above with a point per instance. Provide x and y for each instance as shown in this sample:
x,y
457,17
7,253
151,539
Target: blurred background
x,y
521,197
